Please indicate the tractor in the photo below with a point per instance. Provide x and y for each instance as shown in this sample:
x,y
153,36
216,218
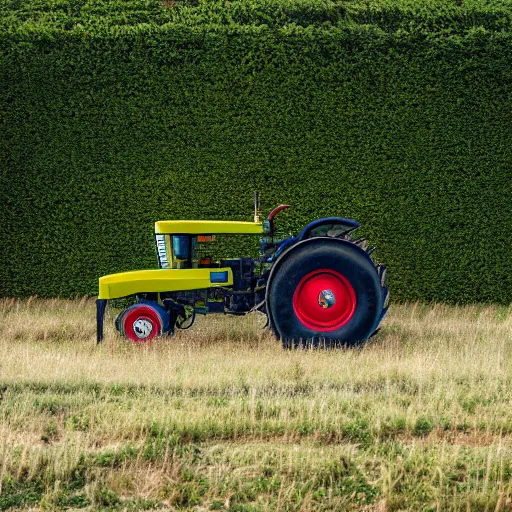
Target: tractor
x,y
318,287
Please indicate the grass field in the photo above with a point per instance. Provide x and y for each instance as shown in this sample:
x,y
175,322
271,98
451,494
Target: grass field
x,y
220,418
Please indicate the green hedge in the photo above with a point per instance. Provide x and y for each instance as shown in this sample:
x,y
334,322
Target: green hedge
x,y
395,113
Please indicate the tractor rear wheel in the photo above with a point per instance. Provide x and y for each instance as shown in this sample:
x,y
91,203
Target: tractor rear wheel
x,y
325,292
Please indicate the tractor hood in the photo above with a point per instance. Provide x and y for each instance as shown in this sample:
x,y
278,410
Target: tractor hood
x,y
208,227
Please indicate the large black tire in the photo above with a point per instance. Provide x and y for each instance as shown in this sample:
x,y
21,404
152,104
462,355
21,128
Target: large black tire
x,y
299,315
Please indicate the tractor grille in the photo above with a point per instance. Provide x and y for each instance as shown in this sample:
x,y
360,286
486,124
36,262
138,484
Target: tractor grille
x,y
161,247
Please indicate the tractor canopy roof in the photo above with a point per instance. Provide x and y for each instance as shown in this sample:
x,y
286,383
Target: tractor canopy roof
x,y
208,227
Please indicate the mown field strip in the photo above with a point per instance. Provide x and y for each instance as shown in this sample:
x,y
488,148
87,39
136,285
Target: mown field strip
x,y
221,418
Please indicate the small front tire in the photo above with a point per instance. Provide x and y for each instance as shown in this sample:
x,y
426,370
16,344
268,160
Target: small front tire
x,y
140,323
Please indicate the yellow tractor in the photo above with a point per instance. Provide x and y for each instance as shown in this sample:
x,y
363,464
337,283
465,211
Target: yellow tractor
x,y
318,287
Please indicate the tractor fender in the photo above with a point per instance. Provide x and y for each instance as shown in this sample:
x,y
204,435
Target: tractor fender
x,y
346,226
297,247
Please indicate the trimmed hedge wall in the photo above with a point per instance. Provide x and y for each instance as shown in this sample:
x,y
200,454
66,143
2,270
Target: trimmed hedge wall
x,y
117,114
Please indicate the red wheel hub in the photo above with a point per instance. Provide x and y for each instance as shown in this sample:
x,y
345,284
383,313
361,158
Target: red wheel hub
x,y
324,300
141,324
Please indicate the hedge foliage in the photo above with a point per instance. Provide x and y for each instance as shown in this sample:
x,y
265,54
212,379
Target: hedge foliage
x,y
119,113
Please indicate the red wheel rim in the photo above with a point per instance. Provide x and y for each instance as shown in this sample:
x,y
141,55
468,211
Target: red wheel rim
x,y
324,300
141,324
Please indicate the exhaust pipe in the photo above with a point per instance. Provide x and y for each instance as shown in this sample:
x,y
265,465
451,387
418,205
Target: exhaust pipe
x,y
256,207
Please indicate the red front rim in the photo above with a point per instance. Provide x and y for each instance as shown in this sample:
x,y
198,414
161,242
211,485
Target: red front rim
x,y
324,300
141,324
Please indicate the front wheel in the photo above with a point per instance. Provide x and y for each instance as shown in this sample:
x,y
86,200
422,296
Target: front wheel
x,y
140,323
325,291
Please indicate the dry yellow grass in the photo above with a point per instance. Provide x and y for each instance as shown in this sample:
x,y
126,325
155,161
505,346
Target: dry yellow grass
x,y
221,418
